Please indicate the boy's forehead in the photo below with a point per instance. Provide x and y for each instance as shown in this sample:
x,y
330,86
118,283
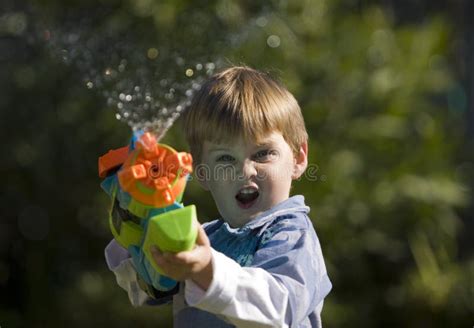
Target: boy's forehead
x,y
268,139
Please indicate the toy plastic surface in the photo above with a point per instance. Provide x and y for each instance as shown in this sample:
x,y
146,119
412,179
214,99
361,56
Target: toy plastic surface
x,y
146,182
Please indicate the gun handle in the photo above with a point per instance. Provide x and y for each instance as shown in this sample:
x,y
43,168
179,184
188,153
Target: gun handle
x,y
173,231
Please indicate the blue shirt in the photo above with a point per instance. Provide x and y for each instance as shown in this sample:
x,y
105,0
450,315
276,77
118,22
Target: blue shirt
x,y
283,242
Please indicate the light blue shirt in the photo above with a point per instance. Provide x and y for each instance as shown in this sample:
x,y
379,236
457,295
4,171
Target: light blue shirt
x,y
283,242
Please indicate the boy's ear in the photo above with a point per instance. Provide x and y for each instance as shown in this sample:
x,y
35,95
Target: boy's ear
x,y
202,175
301,161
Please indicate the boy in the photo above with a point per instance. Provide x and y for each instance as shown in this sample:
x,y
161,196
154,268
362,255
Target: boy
x,y
260,265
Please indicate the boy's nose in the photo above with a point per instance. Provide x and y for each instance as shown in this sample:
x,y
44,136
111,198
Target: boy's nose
x,y
248,169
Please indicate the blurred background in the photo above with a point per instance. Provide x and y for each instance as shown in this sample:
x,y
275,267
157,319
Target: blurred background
x,y
386,89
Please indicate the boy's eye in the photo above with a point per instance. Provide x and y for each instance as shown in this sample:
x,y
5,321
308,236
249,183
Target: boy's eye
x,y
264,155
224,158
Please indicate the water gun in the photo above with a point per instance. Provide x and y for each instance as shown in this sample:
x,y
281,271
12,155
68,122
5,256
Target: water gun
x,y
146,182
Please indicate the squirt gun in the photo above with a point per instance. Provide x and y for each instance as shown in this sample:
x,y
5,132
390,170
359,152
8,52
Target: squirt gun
x,y
146,182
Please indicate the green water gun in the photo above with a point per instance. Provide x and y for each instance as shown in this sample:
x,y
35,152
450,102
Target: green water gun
x,y
146,182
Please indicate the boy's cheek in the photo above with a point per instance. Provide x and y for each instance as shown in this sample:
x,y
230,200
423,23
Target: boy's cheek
x,y
223,174
202,172
214,173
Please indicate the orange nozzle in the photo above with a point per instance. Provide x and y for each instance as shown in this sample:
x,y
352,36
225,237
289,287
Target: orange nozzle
x,y
111,160
154,174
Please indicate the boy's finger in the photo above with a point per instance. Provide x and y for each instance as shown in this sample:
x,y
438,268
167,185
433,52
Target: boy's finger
x,y
160,257
157,251
202,238
183,257
190,257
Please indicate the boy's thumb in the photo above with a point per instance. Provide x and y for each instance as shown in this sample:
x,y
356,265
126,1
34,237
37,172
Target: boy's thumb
x,y
202,239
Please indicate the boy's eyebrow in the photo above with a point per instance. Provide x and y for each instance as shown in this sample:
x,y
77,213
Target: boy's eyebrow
x,y
217,149
264,144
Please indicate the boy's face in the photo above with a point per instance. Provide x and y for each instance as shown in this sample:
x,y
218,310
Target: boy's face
x,y
247,178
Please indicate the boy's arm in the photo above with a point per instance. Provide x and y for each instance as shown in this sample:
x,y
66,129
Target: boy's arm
x,y
287,282
121,264
246,297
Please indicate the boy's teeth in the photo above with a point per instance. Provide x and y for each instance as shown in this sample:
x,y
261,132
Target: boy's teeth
x,y
247,195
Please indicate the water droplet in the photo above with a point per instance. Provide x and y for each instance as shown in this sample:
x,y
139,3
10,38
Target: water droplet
x,y
137,88
180,61
126,114
128,98
108,71
189,93
273,41
210,66
90,85
117,116
199,67
189,72
119,105
152,53
64,55
261,21
122,96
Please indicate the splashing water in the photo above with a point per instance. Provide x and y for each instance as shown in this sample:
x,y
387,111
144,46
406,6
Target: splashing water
x,y
148,87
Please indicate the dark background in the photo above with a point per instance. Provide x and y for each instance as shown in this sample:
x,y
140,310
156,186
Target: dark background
x,y
386,89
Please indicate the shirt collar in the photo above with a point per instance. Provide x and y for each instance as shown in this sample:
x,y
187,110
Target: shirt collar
x,y
290,205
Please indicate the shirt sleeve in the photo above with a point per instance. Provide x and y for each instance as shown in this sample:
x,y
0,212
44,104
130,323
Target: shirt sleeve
x,y
293,256
246,297
119,262
285,284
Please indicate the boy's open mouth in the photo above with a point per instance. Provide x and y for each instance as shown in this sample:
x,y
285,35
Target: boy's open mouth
x,y
246,197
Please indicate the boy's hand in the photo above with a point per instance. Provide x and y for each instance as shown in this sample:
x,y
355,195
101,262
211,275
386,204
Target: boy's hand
x,y
195,264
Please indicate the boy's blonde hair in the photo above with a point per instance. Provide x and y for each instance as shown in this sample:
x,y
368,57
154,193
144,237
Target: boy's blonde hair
x,y
241,101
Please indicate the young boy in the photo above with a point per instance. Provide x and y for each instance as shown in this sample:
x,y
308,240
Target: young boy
x,y
260,264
